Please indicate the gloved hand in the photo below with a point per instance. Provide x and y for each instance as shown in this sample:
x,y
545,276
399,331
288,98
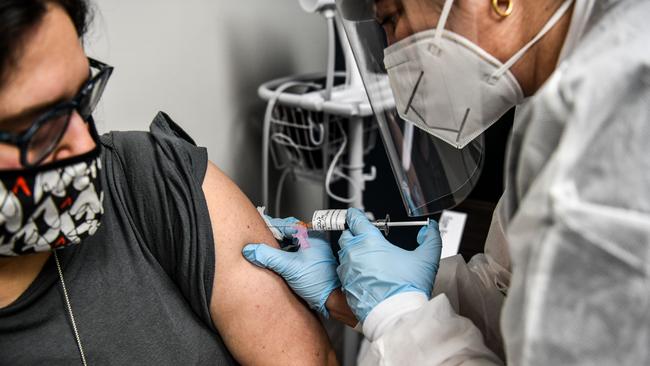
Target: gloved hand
x,y
372,269
282,228
310,272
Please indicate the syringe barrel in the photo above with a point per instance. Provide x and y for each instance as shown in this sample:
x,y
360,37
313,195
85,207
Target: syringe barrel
x,y
329,220
335,220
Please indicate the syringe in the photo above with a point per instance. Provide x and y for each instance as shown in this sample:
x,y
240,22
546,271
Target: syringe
x,y
334,220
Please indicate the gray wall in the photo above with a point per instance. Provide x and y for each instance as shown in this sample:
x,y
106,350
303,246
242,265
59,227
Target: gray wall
x,y
202,61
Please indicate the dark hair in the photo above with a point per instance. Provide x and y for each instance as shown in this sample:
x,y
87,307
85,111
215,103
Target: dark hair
x,y
18,17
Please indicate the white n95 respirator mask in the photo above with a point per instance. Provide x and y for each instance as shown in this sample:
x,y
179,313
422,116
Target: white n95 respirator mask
x,y
450,87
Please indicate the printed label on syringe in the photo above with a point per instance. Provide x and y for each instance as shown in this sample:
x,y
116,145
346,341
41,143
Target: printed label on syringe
x,y
329,220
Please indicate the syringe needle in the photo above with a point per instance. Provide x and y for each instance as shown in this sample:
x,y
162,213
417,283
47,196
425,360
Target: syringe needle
x,y
403,223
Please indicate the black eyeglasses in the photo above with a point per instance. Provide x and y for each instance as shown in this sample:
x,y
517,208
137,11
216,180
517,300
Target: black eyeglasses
x,y
43,136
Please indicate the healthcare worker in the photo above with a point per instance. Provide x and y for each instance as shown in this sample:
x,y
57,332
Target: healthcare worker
x,y
565,278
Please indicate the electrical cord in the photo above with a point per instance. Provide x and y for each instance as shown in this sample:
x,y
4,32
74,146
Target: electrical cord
x,y
312,125
331,171
266,134
278,192
283,139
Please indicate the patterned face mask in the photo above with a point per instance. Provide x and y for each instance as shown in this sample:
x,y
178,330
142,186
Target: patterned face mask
x,y
51,206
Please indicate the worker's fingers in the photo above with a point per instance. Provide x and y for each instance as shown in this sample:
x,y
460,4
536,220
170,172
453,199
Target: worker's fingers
x,y
286,226
430,242
265,256
359,223
346,239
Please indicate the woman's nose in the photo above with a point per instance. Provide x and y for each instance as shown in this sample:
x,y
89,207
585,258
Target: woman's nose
x,y
76,140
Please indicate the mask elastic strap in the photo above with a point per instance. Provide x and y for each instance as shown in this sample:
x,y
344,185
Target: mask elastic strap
x,y
440,28
549,25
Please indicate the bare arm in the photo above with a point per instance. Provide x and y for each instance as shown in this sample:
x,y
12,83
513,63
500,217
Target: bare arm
x,y
261,321
340,310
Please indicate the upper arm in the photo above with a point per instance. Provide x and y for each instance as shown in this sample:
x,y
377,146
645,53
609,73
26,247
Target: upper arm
x,y
257,315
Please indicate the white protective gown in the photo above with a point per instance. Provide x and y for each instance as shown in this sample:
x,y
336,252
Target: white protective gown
x,y
576,214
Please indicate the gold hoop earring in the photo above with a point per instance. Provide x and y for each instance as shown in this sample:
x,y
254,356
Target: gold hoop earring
x,y
502,13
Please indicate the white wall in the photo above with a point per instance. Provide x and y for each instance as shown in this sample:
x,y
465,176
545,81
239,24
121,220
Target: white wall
x,y
202,61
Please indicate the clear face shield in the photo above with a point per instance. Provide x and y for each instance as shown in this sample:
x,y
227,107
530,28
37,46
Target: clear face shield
x,y
433,171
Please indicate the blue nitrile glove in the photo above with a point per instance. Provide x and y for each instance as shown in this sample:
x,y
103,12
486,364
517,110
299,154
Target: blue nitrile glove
x,y
282,228
310,272
372,269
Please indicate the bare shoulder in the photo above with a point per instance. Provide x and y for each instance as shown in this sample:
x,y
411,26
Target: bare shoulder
x,y
259,318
